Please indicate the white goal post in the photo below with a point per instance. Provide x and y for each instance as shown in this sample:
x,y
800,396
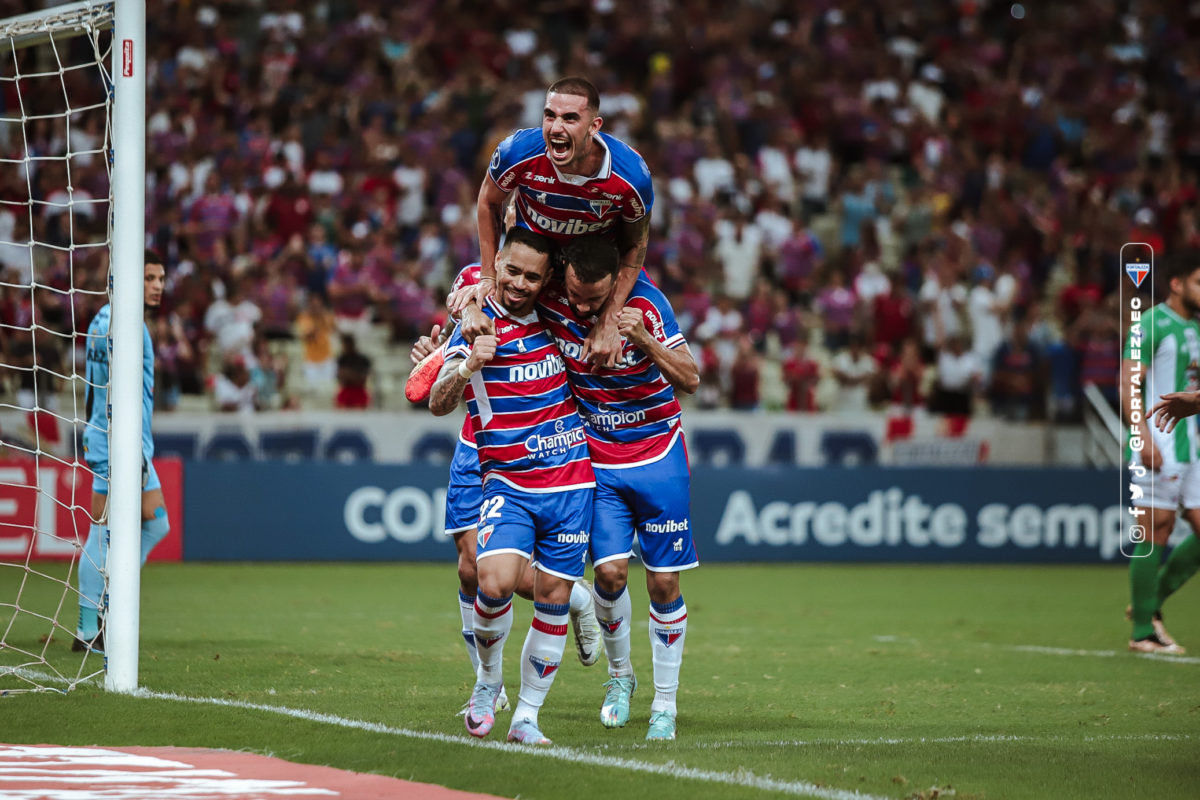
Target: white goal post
x,y
42,81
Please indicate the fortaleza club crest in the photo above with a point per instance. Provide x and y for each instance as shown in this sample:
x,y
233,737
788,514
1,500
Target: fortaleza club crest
x,y
611,625
1137,273
543,667
485,533
667,636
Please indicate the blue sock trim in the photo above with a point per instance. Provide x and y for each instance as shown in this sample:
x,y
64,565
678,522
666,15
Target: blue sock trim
x,y
669,608
552,609
465,598
492,602
611,597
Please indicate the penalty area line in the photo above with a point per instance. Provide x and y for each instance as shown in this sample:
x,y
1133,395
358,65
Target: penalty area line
x,y
556,752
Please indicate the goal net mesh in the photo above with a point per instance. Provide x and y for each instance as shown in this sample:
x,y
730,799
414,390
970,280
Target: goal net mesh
x,y
55,242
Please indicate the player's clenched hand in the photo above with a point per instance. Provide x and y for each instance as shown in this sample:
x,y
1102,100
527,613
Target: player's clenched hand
x,y
602,347
1173,407
425,345
476,323
482,351
631,326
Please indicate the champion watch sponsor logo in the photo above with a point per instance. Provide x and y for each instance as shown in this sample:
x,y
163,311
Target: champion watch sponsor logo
x,y
670,526
554,444
543,667
605,418
568,227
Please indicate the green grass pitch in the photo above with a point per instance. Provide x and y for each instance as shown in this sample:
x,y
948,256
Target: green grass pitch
x,y
799,680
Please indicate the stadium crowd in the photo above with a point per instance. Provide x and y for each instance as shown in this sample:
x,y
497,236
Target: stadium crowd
x,y
858,204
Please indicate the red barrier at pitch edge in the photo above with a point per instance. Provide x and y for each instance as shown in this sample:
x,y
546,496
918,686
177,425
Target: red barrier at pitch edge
x,y
44,509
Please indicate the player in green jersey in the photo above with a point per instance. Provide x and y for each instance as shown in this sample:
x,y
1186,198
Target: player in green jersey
x,y
1165,354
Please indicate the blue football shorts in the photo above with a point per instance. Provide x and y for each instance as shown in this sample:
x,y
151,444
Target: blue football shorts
x,y
99,469
550,528
464,492
653,501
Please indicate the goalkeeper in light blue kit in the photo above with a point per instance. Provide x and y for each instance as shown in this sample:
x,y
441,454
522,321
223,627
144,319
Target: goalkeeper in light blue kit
x,y
89,632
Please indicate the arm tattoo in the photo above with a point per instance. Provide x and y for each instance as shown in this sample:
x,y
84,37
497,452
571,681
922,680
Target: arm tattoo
x,y
448,389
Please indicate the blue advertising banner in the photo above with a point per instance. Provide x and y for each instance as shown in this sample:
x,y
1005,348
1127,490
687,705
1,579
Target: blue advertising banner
x,y
321,511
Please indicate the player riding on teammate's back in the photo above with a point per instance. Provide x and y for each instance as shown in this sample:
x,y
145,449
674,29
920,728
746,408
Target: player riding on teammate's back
x,y
571,179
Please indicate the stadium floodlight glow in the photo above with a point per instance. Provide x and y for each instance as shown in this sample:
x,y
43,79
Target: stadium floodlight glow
x,y
1136,294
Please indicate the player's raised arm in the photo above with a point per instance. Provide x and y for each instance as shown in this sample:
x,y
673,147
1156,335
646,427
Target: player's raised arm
x,y
455,374
489,212
677,364
603,345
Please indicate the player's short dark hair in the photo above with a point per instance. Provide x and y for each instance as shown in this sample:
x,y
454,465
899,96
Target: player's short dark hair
x,y
152,257
518,235
577,86
594,257
1182,263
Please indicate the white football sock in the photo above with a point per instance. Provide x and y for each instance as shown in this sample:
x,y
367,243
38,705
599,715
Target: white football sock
x,y
493,619
541,657
466,608
613,614
668,629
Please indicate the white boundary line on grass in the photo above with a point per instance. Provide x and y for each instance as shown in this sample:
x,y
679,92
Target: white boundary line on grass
x,y
1064,651
572,755
1058,651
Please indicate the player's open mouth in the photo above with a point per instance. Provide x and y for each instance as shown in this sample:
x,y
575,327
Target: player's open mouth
x,y
560,148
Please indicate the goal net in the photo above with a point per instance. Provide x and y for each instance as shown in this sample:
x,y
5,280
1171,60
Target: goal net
x,y
56,238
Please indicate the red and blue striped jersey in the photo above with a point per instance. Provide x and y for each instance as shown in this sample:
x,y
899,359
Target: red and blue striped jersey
x,y
630,413
562,206
527,427
467,276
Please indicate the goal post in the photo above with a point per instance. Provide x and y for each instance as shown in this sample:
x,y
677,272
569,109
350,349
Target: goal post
x,y
72,140
126,271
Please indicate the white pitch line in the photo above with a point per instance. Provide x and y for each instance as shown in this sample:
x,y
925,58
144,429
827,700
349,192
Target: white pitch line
x,y
568,754
982,738
1064,651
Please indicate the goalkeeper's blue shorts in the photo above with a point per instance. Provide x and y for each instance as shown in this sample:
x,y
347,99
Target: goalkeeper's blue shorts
x,y
99,469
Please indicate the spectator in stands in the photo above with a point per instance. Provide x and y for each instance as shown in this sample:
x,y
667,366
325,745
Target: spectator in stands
x,y
231,320
959,378
855,370
1017,390
233,391
315,327
801,374
837,306
745,375
353,373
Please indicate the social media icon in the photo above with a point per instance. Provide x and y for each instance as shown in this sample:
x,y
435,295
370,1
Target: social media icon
x,y
1137,533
